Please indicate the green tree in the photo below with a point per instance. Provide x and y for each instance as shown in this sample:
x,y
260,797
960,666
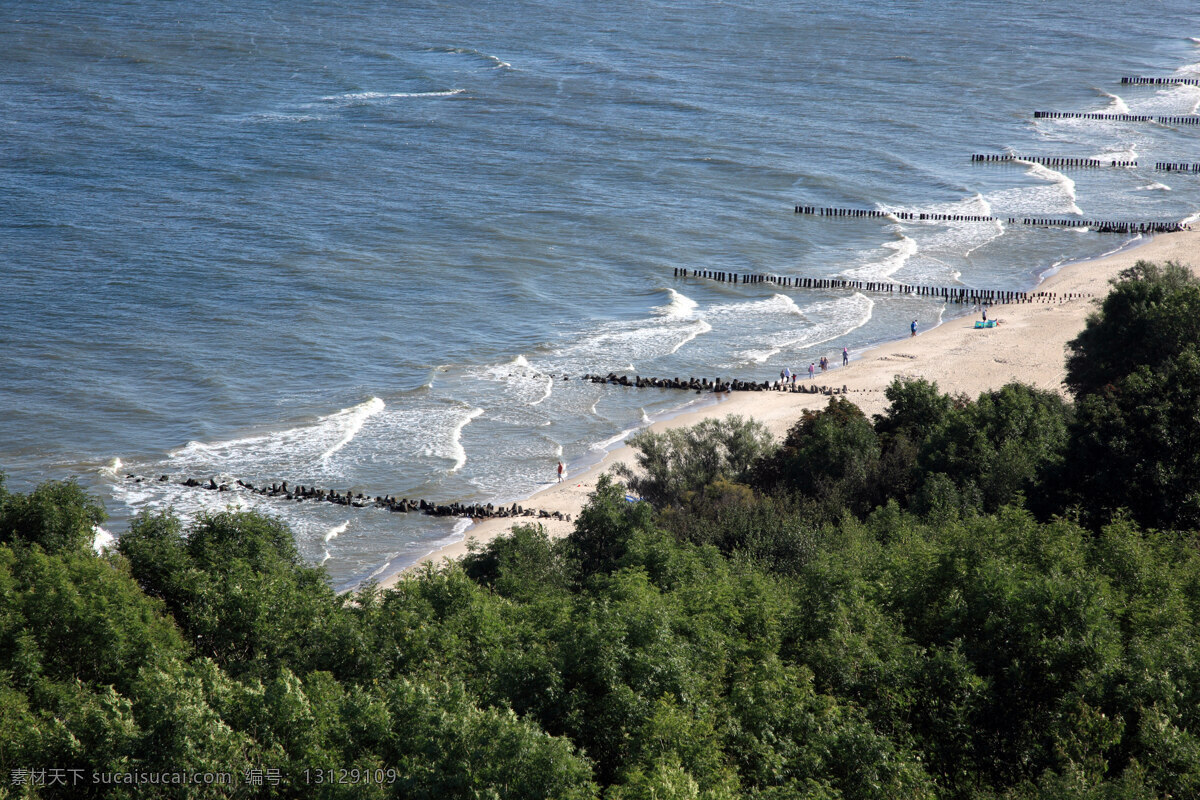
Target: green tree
x,y
58,515
1151,315
678,462
1136,445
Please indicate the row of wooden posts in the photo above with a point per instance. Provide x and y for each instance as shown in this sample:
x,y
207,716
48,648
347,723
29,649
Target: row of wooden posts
x,y
953,294
1187,119
1173,166
1103,226
1052,161
1142,81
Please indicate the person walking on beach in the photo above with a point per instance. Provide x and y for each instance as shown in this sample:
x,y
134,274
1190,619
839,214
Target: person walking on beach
x,y
845,356
812,371
560,472
913,327
985,313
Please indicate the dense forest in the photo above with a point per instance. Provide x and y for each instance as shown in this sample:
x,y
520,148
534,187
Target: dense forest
x,y
990,597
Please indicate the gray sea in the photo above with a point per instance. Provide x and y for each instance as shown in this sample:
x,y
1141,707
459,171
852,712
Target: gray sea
x,y
348,244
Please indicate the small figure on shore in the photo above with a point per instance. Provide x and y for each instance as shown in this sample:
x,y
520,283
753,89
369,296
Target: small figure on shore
x,y
560,472
824,363
845,356
794,376
913,327
812,371
985,313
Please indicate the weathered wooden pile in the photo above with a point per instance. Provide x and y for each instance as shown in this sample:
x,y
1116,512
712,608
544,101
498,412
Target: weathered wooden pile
x,y
1051,161
951,294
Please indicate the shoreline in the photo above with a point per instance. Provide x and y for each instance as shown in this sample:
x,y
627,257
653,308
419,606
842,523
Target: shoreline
x,y
1027,346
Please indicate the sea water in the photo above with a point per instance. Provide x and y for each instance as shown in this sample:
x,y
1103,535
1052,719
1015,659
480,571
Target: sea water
x,y
358,245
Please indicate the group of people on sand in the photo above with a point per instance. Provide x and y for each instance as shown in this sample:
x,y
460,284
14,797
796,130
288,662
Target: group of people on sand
x,y
786,375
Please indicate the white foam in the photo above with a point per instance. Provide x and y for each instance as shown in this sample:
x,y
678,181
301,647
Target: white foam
x,y
701,328
456,448
645,417
497,63
549,390
336,531
1154,187
354,419
103,539
774,306
1117,104
830,320
678,306
903,249
112,468
1065,184
605,444
615,344
352,97
308,446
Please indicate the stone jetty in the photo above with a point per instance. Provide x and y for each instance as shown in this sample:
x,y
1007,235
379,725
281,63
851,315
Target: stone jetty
x,y
351,499
699,385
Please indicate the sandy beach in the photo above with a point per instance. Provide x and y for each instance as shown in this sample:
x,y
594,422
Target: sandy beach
x,y
1028,346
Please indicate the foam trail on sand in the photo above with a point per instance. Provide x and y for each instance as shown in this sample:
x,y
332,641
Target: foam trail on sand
x,y
605,444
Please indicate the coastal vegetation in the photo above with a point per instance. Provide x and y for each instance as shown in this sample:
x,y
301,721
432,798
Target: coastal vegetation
x,y
989,598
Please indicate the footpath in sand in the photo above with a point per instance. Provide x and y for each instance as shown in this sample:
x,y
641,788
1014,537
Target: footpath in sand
x,y
1028,346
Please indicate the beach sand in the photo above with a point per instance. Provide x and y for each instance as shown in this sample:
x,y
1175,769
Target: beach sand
x,y
1029,346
